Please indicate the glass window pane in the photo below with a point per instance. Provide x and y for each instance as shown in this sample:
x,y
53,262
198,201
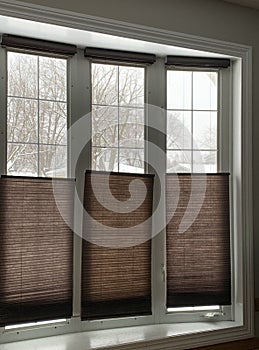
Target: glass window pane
x,y
179,130
131,127
114,128
131,161
22,120
205,90
179,90
105,159
131,86
205,161
205,130
179,161
52,78
105,126
53,161
104,84
22,159
22,75
53,123
32,121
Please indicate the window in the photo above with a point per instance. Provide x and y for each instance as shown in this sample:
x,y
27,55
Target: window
x,y
118,118
117,100
37,115
192,147
37,119
36,147
195,146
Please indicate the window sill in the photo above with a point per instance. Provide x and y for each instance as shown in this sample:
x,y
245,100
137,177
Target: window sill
x,y
163,336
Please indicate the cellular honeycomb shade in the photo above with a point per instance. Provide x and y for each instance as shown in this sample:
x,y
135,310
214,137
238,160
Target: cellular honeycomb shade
x,y
116,262
198,240
35,250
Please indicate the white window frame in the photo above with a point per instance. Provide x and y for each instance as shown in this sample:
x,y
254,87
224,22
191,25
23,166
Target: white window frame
x,y
192,335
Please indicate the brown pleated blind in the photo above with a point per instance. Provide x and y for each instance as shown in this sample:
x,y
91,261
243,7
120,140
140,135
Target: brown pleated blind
x,y
36,248
198,240
116,263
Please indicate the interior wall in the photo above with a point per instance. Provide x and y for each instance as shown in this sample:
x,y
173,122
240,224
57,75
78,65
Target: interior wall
x,y
208,18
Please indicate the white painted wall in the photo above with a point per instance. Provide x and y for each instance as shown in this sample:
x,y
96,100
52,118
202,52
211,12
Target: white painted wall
x,y
208,18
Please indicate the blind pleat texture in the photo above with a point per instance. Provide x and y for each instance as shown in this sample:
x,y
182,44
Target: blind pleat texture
x,y
198,258
116,264
36,250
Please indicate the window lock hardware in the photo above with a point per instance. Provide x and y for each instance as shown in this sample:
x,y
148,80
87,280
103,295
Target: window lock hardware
x,y
163,272
213,315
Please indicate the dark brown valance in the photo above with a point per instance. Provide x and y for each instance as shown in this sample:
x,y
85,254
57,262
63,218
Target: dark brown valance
x,y
199,62
116,55
37,45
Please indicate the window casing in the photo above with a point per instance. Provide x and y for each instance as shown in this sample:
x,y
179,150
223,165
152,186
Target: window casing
x,y
160,70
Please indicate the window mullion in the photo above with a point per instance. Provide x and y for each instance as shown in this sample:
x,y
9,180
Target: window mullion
x,y
224,136
156,121
38,113
80,97
225,161
192,158
118,116
3,111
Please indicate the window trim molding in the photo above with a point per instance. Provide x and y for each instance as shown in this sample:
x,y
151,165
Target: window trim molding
x,y
64,18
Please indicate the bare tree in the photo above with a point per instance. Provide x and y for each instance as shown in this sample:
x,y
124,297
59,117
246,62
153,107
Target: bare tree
x,y
37,116
118,116
37,113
